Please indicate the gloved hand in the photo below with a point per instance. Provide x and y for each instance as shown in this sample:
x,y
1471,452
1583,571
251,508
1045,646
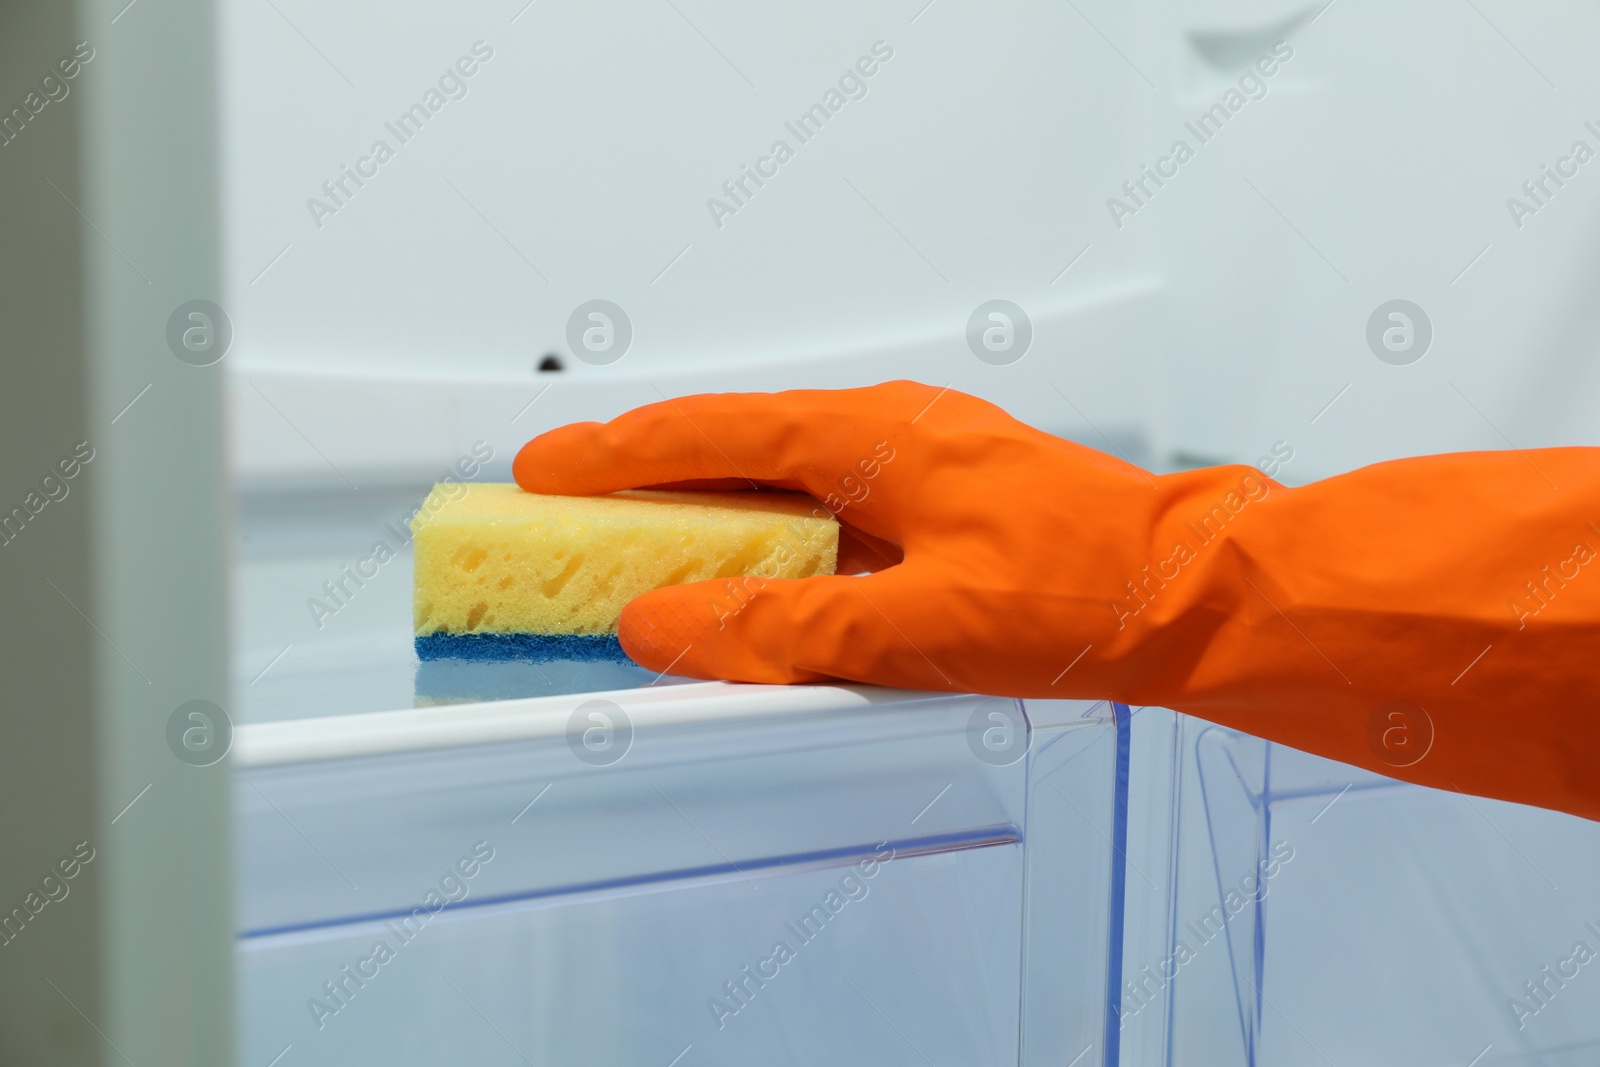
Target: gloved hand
x,y
1444,603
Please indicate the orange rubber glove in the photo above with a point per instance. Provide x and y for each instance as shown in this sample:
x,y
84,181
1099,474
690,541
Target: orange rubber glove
x,y
1435,619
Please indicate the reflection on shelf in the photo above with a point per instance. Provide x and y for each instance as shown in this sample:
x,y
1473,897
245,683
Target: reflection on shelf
x,y
463,681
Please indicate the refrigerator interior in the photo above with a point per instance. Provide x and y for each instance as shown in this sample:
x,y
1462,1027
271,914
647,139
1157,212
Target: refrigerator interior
x,y
379,344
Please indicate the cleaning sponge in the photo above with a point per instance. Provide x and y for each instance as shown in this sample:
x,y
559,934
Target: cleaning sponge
x,y
504,573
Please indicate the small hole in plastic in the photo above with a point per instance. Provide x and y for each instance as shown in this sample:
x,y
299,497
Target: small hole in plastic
x,y
550,362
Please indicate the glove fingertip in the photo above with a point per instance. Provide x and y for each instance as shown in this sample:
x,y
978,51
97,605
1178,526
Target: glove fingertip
x,y
658,631
537,466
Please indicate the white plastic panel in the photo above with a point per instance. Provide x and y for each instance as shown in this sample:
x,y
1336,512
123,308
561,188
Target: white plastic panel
x,y
378,343
1378,167
580,159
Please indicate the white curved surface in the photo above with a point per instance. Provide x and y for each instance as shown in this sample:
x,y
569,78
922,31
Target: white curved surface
x,y
451,726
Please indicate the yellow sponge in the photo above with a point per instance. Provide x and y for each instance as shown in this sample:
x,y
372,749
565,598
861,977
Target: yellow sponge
x,y
494,560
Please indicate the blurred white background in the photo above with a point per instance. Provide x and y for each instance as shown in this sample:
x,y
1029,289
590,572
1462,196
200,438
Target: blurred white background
x,y
1229,313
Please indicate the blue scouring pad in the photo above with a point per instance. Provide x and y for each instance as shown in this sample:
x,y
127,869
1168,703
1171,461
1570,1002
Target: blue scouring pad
x,y
537,648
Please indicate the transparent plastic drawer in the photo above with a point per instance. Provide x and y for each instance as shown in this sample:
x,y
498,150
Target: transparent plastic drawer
x,y
1315,913
763,875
